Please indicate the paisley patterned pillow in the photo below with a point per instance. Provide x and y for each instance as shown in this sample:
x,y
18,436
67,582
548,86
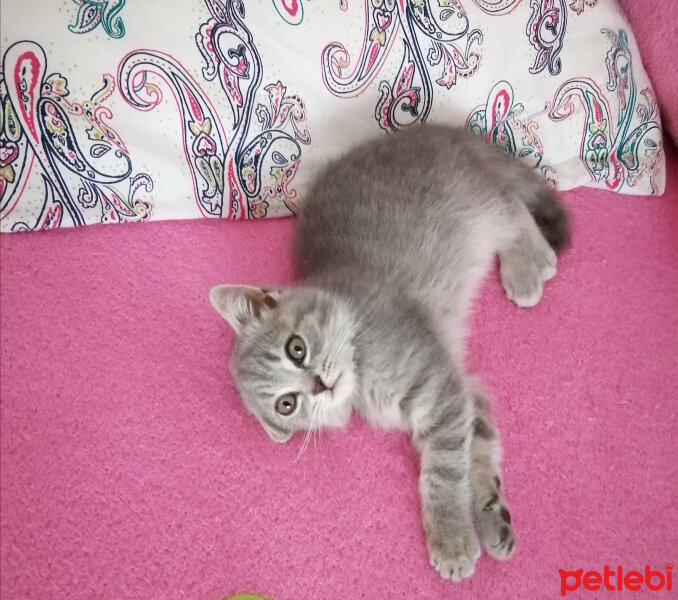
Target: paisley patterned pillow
x,y
115,111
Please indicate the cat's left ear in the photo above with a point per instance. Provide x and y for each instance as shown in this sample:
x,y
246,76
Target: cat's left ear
x,y
242,304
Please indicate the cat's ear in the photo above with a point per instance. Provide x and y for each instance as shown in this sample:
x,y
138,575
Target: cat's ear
x,y
241,304
277,435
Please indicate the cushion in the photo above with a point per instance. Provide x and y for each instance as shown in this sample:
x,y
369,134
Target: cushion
x,y
116,112
655,24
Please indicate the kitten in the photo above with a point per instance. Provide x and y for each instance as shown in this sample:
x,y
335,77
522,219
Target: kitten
x,y
391,245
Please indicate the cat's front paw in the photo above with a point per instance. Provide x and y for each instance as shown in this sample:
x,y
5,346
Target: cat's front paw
x,y
454,557
496,531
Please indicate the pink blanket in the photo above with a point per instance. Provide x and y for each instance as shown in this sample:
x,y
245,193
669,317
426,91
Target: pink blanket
x,y
129,468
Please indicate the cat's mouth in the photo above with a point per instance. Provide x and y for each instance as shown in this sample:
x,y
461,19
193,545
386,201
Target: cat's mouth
x,y
334,388
321,386
336,381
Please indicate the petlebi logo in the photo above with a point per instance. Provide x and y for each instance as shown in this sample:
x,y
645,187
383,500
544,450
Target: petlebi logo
x,y
616,580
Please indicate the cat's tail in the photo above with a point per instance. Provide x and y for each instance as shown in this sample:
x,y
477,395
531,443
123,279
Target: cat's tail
x,y
551,217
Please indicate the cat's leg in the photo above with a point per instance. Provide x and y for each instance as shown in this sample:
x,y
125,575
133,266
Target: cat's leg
x,y
442,432
527,260
489,503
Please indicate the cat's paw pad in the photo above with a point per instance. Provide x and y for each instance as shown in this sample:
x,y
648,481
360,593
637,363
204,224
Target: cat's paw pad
x,y
496,531
454,558
523,282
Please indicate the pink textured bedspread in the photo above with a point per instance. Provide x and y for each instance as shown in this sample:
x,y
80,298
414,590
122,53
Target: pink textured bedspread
x,y
130,470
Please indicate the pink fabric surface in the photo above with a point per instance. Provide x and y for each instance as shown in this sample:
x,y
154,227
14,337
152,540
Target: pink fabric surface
x,y
130,470
654,24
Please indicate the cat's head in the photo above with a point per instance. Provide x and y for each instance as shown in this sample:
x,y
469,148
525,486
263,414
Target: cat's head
x,y
293,358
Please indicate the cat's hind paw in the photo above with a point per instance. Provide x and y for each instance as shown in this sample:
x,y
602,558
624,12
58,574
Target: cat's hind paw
x,y
523,276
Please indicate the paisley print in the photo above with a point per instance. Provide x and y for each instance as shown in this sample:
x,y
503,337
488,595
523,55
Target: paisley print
x,y
501,121
93,13
433,36
578,5
618,147
292,11
237,173
546,30
84,164
497,7
212,117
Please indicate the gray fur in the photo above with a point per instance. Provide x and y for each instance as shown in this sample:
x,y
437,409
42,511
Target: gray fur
x,y
391,245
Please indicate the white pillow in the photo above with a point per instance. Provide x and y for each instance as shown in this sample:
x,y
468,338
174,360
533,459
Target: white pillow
x,y
117,111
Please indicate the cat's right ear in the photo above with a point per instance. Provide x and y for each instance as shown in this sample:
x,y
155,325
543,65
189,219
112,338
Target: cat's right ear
x,y
242,304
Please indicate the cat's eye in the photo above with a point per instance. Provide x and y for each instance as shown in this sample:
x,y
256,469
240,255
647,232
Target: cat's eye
x,y
296,349
286,405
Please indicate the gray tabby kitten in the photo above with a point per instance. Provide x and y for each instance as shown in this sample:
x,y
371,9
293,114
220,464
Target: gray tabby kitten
x,y
391,245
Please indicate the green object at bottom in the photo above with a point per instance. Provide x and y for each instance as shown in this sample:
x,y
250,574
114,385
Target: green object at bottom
x,y
247,597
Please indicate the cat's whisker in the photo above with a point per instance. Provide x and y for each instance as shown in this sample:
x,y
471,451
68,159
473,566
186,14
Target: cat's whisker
x,y
304,444
315,438
309,436
322,449
318,434
315,424
309,432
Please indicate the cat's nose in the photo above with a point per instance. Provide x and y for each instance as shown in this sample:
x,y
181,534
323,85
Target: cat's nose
x,y
319,387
